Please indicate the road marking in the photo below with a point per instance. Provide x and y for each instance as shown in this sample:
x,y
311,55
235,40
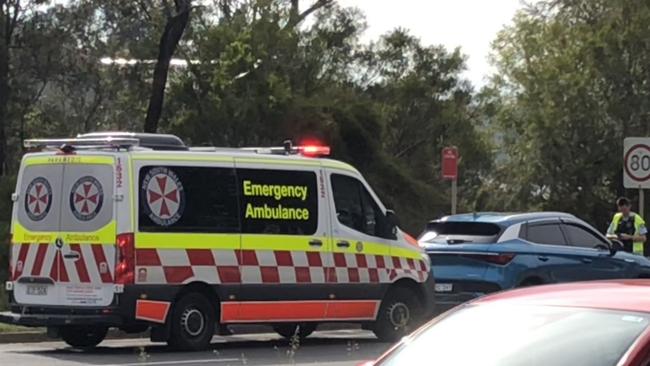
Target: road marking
x,y
160,363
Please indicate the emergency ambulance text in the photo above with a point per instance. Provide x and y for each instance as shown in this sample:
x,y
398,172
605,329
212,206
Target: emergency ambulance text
x,y
278,192
276,213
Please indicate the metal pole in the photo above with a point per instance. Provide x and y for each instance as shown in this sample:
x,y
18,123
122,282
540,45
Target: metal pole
x,y
641,212
454,193
641,202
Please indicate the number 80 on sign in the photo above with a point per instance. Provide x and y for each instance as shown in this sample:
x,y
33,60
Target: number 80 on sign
x,y
636,163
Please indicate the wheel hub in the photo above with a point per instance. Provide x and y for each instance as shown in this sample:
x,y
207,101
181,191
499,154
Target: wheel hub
x,y
399,315
193,322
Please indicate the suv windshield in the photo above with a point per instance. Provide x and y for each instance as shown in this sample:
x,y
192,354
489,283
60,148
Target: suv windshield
x,y
504,335
460,232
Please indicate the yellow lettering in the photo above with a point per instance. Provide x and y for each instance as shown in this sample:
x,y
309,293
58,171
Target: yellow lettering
x,y
249,211
247,188
277,191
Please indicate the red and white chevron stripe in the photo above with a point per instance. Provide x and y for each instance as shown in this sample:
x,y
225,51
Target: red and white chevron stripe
x,y
177,266
95,263
74,263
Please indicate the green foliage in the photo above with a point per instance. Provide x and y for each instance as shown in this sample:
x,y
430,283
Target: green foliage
x,y
572,84
252,76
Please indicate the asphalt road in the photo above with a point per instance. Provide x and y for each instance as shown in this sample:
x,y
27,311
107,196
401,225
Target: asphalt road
x,y
330,348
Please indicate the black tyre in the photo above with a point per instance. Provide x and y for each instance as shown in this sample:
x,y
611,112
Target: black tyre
x,y
289,330
192,323
399,314
83,336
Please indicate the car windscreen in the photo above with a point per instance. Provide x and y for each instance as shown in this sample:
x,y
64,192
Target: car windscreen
x,y
460,232
518,335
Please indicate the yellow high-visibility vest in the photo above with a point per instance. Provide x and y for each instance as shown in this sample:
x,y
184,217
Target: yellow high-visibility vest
x,y
639,229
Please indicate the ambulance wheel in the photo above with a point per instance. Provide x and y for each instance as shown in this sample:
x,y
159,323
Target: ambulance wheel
x,y
290,330
193,322
83,336
399,314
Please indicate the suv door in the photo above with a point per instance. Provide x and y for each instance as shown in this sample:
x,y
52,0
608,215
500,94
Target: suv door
x,y
551,256
594,252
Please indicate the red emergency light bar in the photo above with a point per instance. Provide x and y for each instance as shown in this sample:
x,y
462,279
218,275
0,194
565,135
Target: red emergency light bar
x,y
314,150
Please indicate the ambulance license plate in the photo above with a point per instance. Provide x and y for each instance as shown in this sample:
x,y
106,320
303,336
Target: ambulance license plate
x,y
37,290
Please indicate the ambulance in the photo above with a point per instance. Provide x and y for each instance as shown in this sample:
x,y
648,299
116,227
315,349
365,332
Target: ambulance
x,y
138,231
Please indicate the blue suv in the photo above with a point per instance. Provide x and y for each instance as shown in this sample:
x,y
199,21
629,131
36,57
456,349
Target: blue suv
x,y
475,254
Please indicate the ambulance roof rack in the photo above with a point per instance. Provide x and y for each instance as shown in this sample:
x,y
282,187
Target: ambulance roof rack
x,y
97,140
288,148
155,141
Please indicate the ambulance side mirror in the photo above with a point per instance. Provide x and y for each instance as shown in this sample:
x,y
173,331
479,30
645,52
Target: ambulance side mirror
x,y
392,223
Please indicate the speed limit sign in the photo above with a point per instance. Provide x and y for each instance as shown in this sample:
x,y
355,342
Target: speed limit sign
x,y
637,162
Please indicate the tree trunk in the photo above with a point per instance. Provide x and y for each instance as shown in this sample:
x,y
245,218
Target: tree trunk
x,y
4,84
171,36
295,16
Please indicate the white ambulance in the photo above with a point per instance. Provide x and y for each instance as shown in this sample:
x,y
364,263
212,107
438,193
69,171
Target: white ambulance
x,y
138,231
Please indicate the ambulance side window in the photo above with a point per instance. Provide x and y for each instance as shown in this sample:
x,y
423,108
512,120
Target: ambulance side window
x,y
355,207
282,202
188,199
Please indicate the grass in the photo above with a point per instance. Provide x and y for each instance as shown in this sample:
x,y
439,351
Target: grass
x,y
8,328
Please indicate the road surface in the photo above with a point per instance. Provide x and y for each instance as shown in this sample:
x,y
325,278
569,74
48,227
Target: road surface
x,y
329,348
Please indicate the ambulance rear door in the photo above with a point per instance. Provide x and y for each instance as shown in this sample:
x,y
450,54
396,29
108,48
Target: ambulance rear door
x,y
64,231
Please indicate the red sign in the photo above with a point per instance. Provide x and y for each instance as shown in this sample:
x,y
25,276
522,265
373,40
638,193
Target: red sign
x,y
450,163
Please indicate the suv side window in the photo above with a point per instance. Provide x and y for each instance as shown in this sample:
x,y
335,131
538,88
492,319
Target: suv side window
x,y
581,237
547,233
355,207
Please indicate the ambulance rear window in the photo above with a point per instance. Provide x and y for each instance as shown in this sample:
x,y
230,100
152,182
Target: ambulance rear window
x,y
68,198
39,194
188,199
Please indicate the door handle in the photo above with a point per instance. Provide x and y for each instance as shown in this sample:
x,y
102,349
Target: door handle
x,y
587,260
316,243
542,258
343,244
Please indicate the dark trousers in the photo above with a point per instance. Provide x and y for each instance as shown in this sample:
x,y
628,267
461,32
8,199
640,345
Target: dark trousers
x,y
628,246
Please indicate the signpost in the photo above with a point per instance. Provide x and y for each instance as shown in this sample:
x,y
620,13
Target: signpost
x,y
636,172
450,172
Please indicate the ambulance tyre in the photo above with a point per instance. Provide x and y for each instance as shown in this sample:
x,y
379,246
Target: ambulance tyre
x,y
399,314
192,323
290,330
84,337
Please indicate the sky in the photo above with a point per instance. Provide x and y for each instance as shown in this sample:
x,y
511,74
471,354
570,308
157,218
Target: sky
x,y
469,24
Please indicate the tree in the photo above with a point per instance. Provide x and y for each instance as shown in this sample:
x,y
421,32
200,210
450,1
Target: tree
x,y
171,36
10,11
573,81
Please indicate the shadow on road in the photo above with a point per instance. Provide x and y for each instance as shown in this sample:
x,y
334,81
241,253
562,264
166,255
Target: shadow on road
x,y
334,347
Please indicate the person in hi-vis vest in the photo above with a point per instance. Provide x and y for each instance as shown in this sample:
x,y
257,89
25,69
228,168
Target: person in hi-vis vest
x,y
628,227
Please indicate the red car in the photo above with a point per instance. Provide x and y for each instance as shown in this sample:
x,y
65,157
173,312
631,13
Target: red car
x,y
578,324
